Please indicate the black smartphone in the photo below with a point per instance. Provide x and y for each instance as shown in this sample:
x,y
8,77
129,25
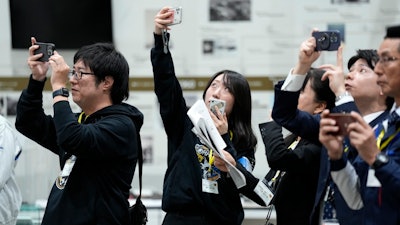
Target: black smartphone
x,y
327,40
47,49
342,120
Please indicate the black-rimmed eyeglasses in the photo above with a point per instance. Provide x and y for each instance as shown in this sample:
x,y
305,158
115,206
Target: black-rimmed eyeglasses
x,y
78,74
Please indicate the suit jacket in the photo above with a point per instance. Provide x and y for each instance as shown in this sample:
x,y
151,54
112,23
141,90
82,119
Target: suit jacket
x,y
301,123
381,204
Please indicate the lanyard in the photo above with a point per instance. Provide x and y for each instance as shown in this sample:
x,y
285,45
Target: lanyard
x,y
80,117
379,136
211,158
293,145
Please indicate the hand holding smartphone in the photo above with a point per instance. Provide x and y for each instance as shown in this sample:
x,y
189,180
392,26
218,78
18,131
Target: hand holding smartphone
x,y
176,16
327,40
219,103
342,120
47,49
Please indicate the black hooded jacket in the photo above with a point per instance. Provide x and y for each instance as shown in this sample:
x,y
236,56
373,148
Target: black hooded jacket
x,y
105,145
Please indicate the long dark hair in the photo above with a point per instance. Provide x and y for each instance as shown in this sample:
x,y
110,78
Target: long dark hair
x,y
239,120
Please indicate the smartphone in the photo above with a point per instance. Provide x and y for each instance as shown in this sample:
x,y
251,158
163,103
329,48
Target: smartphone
x,y
219,103
342,120
47,49
327,40
176,16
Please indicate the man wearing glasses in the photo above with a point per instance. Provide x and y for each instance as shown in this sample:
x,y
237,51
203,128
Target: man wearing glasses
x,y
98,147
377,167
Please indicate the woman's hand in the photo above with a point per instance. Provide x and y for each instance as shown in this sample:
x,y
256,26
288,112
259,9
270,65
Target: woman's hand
x,y
162,19
220,121
307,56
221,164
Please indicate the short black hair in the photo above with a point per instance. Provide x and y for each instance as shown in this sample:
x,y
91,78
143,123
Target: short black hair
x,y
369,55
104,60
393,32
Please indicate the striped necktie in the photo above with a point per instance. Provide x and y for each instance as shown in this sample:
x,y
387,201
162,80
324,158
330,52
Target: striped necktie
x,y
391,129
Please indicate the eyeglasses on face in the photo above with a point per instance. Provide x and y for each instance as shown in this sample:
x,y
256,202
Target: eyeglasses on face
x,y
386,60
78,74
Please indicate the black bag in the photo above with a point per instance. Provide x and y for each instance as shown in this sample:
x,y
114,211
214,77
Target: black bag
x,y
138,212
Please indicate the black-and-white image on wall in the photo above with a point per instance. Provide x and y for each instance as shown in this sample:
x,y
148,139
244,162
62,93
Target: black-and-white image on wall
x,y
230,10
348,1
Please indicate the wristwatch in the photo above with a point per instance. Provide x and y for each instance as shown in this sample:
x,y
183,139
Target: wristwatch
x,y
62,91
342,96
380,160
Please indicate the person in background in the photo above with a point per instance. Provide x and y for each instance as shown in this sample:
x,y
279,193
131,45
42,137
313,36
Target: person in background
x,y
98,147
301,123
298,161
10,195
196,191
372,181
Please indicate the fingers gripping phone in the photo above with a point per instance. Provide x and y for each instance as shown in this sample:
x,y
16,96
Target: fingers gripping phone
x,y
342,120
327,40
47,49
219,103
176,16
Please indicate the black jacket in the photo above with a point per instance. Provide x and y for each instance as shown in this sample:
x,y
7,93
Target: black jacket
x,y
105,146
182,191
295,196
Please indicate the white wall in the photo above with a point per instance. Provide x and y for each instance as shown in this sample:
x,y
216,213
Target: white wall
x,y
264,46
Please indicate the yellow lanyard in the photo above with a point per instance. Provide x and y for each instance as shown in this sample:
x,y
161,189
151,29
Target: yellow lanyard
x,y
387,141
211,158
80,117
294,144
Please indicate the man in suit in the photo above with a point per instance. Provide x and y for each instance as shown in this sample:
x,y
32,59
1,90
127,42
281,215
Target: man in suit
x,y
374,175
374,106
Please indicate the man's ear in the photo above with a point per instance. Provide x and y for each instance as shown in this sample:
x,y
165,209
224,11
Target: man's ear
x,y
108,82
320,107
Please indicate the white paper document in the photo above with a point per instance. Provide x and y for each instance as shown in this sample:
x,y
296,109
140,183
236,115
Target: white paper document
x,y
205,129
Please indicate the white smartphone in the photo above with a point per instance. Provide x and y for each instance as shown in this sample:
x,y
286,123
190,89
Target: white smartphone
x,y
177,16
219,103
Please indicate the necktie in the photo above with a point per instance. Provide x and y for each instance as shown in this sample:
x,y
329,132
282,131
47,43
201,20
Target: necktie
x,y
391,129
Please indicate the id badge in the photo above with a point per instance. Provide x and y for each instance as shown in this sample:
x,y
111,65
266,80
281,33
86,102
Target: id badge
x,y
264,192
210,186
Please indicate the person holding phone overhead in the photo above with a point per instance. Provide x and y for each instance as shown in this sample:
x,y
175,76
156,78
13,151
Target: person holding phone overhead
x,y
197,189
98,147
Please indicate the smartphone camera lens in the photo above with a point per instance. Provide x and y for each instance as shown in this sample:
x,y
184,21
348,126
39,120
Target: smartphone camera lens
x,y
334,38
324,41
49,50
